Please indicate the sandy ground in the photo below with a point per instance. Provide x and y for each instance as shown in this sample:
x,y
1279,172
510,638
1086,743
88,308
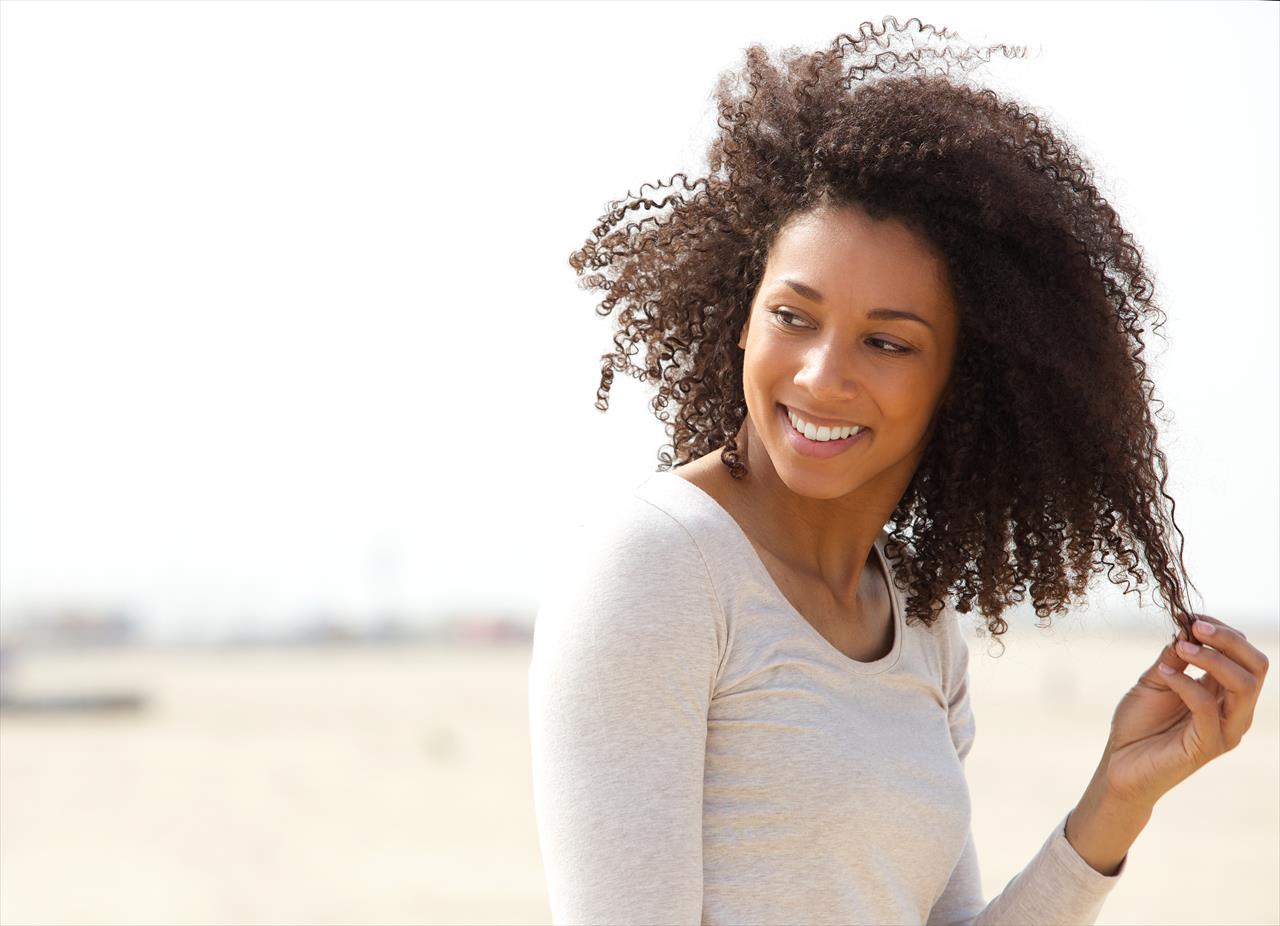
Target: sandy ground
x,y
391,785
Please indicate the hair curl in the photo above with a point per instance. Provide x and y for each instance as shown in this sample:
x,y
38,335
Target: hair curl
x,y
1043,467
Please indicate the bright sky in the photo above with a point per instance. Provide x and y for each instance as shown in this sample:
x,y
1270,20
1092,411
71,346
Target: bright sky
x,y
287,321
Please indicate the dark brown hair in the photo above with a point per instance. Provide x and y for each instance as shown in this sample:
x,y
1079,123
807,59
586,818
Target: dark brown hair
x,y
1043,467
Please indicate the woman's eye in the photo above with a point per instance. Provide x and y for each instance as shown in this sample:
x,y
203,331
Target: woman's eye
x,y
893,348
890,347
780,313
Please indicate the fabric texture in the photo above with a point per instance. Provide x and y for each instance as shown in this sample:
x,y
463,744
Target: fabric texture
x,y
701,754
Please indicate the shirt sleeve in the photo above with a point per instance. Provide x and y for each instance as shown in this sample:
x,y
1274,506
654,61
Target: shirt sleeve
x,y
1056,886
627,645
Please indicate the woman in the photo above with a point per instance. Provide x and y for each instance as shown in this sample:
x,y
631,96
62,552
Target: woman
x,y
900,304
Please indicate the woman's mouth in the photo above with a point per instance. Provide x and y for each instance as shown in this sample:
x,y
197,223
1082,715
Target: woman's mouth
x,y
818,448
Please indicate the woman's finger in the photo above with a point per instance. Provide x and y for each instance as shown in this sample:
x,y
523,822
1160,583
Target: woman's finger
x,y
1234,677
1239,686
1211,684
1235,644
1206,721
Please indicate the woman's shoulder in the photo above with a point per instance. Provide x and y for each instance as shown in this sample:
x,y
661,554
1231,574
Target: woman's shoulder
x,y
641,537
631,571
948,633
944,636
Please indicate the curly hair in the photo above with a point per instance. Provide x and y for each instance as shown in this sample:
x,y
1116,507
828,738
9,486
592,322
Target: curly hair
x,y
1043,467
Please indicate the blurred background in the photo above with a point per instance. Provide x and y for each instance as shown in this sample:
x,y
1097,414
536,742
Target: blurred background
x,y
297,389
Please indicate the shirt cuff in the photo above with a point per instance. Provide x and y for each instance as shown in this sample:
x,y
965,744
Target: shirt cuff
x,y
1080,872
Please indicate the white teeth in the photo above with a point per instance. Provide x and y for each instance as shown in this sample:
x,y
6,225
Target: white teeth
x,y
824,433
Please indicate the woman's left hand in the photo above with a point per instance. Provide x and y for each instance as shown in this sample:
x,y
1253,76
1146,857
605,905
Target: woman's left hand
x,y
1168,726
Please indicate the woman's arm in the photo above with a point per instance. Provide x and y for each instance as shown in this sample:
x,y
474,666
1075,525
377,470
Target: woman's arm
x,y
627,645
1103,826
1167,727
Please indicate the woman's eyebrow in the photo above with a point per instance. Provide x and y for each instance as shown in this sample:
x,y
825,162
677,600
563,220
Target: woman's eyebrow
x,y
898,313
813,295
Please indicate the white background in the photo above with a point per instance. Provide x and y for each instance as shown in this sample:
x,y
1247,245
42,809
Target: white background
x,y
287,320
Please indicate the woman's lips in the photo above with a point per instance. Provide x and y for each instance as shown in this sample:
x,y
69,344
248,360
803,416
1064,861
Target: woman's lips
x,y
818,449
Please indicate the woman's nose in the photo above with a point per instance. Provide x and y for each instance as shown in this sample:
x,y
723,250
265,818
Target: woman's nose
x,y
830,372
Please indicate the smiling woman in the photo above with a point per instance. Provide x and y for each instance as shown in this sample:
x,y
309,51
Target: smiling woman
x,y
902,333
1041,466
847,357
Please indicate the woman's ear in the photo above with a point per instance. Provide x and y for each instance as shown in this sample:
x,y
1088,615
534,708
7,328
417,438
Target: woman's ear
x,y
742,338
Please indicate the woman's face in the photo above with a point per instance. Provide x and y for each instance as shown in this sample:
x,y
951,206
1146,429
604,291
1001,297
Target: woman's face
x,y
853,323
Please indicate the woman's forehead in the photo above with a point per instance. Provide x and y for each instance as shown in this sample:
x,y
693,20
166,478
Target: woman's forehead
x,y
850,259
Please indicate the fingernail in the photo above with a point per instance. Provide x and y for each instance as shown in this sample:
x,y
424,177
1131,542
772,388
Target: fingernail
x,y
1167,670
1205,628
1187,648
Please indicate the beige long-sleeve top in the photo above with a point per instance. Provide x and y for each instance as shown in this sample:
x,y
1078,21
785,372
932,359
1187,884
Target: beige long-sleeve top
x,y
701,754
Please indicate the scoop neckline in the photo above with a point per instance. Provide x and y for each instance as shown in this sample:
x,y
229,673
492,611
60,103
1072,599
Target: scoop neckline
x,y
875,666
